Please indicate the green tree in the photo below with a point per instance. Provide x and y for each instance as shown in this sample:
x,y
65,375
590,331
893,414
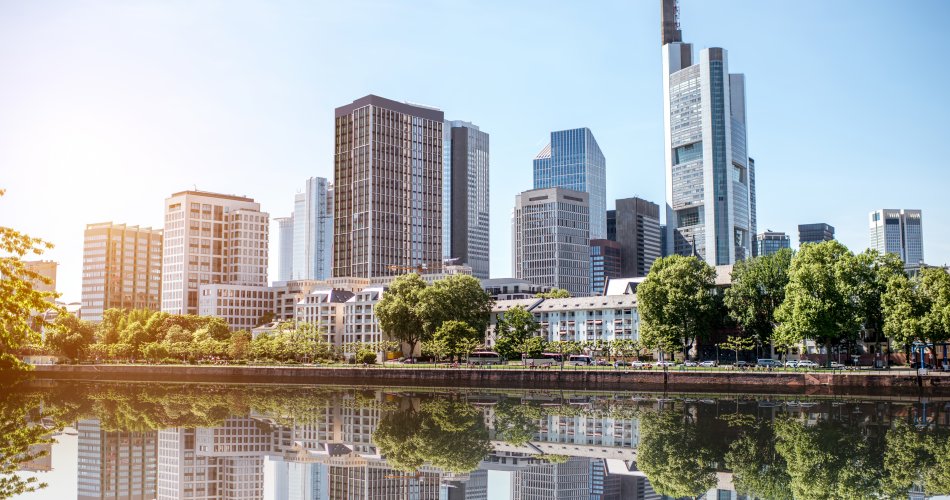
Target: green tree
x,y
154,351
534,347
456,337
133,334
903,311
455,298
217,328
19,300
554,293
758,288
737,344
873,271
820,299
239,345
672,456
675,302
398,311
759,471
513,329
935,295
70,336
516,423
110,328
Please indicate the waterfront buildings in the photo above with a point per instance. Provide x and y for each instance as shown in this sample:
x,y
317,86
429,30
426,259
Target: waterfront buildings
x,y
609,317
211,238
465,207
242,307
637,230
122,268
46,269
387,188
313,231
573,160
709,176
898,232
815,233
770,242
359,322
115,464
285,248
605,262
324,308
551,239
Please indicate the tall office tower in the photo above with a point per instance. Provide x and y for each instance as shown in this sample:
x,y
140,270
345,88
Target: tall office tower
x,y
770,242
285,248
708,197
121,268
387,188
753,218
572,160
211,238
313,230
606,261
815,233
899,232
612,225
663,240
116,465
465,228
638,232
550,239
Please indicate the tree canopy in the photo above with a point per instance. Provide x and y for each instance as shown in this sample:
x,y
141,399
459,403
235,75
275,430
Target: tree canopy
x,y
512,331
675,302
758,288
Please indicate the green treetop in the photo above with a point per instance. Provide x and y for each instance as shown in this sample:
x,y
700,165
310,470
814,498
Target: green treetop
x,y
675,302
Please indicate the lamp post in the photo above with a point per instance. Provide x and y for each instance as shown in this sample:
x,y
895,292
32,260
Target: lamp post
x,y
920,347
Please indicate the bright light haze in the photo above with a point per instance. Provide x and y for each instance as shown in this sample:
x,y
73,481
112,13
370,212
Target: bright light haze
x,y
106,108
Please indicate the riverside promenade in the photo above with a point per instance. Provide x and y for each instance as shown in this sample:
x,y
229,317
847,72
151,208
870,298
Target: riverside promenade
x,y
894,382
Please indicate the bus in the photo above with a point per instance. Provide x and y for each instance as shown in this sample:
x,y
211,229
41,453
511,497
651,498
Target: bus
x,y
546,359
485,358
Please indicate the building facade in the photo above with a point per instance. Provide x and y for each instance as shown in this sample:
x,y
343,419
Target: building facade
x,y
116,464
387,188
122,268
606,261
709,177
313,231
324,307
359,320
898,232
551,239
609,317
211,238
242,307
465,201
46,269
638,233
769,242
512,288
573,160
285,248
815,233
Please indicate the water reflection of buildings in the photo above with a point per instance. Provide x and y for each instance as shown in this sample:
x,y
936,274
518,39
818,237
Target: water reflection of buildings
x,y
115,465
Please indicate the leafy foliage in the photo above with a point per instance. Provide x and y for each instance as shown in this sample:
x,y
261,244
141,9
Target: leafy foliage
x,y
675,302
554,293
671,455
758,288
513,330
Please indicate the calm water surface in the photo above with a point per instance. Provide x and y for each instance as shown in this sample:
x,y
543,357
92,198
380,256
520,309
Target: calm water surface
x,y
166,441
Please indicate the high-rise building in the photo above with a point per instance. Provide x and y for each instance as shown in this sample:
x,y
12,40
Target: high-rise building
x,y
116,464
122,269
573,160
770,242
550,239
387,188
211,238
612,225
638,233
899,232
815,233
465,227
285,248
46,269
753,220
709,210
313,230
606,261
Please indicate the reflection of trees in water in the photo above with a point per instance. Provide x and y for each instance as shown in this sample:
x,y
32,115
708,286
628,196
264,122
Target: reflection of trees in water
x,y
672,456
446,434
20,431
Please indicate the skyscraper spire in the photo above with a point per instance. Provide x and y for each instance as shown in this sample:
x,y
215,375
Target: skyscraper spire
x,y
670,22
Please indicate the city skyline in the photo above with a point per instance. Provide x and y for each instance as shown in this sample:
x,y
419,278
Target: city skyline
x,y
138,106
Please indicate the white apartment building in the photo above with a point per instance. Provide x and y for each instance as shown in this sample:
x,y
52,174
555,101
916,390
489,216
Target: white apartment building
x,y
240,306
324,308
359,322
580,319
211,238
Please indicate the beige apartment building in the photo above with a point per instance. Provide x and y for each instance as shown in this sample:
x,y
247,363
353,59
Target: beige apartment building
x,y
122,269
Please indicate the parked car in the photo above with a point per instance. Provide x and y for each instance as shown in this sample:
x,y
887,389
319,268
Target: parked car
x,y
601,362
837,366
806,363
792,363
742,364
667,364
768,363
690,363
708,363
639,364
621,362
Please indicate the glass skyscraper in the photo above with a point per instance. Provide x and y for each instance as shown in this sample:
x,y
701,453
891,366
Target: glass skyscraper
x,y
573,160
710,209
771,242
313,231
899,232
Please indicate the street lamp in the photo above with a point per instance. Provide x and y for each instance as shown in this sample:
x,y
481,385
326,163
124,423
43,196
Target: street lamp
x,y
919,347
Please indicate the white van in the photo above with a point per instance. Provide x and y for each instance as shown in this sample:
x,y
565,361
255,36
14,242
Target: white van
x,y
580,360
485,358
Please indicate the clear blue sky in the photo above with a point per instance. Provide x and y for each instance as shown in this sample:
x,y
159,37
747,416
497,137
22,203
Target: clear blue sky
x,y
108,107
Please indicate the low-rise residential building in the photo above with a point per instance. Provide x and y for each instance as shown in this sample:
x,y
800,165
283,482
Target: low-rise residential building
x,y
359,321
324,308
512,288
609,317
240,306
